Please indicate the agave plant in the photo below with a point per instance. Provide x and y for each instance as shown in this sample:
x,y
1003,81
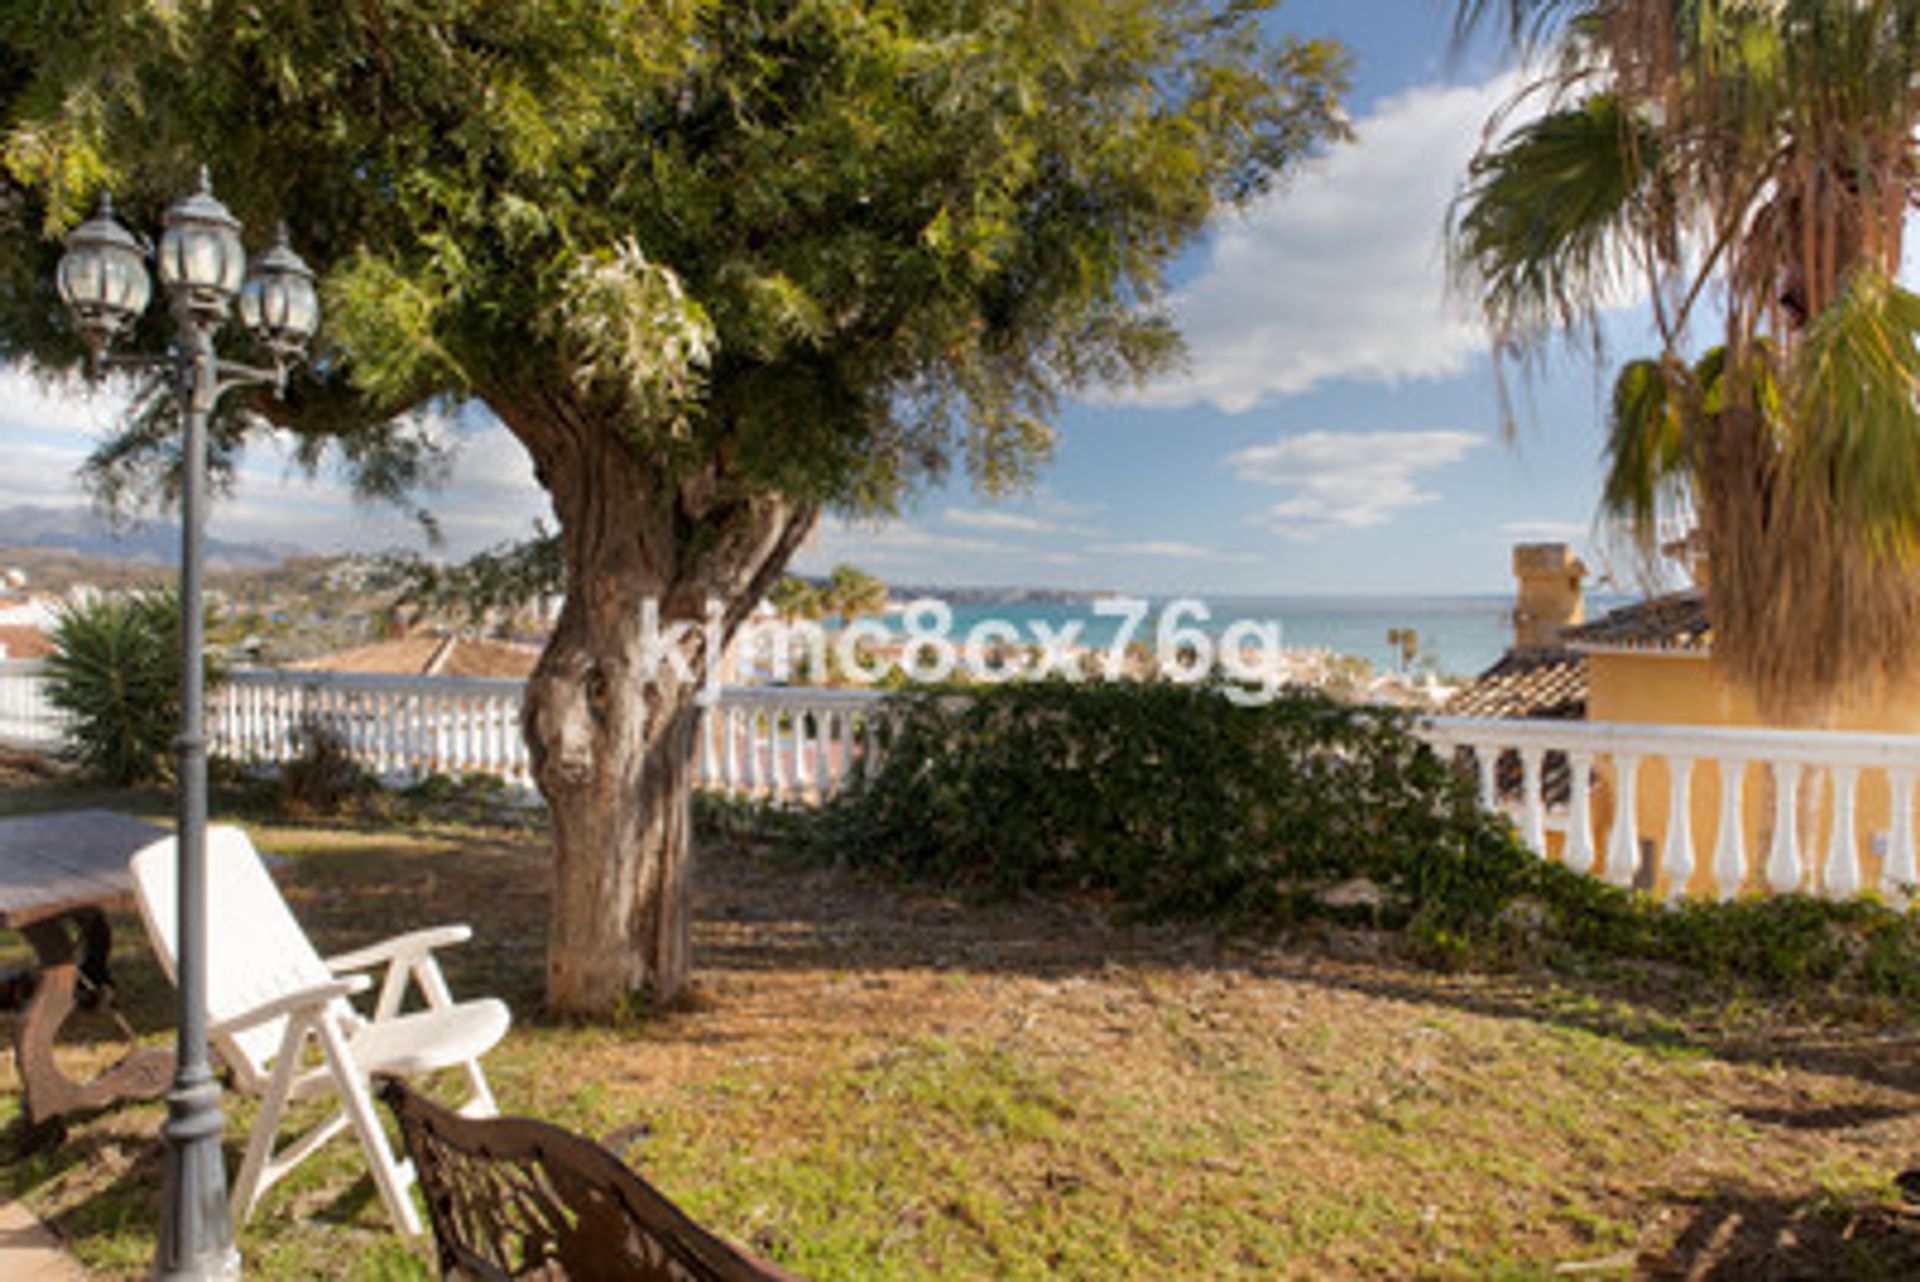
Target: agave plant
x,y
115,673
1749,165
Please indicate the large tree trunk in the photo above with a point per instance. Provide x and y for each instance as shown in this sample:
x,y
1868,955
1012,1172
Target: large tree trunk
x,y
612,743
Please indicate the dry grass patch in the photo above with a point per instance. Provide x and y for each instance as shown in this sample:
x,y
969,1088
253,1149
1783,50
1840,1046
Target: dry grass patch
x,y
874,1083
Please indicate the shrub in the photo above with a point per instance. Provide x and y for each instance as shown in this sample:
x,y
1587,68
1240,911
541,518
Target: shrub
x,y
322,777
1174,801
115,673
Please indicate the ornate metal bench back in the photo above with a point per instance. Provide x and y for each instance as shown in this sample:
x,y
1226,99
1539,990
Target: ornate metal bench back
x,y
512,1198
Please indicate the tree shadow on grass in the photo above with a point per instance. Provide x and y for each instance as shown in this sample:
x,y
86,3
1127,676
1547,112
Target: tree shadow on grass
x,y
1748,1234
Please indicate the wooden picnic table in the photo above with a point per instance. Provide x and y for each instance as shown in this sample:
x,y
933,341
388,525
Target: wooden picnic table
x,y
60,874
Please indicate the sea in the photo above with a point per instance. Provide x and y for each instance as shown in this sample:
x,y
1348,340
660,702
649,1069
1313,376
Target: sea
x,y
1456,636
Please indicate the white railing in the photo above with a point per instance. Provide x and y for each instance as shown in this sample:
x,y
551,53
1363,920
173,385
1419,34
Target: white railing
x,y
399,727
779,744
27,720
1683,809
786,743
1701,809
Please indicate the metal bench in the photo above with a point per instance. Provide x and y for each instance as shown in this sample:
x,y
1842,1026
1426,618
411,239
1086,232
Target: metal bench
x,y
512,1198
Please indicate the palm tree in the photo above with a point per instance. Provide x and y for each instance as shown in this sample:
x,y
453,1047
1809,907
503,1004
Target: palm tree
x,y
852,593
1750,166
792,597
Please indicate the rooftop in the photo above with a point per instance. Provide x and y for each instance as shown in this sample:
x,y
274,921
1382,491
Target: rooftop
x,y
430,655
1672,621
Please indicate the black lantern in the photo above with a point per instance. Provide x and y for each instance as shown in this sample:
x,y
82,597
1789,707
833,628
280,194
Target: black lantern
x,y
103,278
202,261
278,304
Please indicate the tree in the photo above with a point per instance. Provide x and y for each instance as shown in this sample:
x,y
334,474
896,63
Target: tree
x,y
1757,158
1406,644
852,593
718,266
794,598
496,589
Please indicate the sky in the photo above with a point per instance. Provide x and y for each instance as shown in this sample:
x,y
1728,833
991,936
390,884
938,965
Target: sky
x,y
1336,429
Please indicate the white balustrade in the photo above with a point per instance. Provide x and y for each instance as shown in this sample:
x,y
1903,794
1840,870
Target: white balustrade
x,y
1799,845
800,745
27,720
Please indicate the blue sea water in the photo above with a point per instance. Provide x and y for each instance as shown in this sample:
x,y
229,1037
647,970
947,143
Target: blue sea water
x,y
1458,635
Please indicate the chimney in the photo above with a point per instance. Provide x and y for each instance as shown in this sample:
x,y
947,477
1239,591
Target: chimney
x,y
1548,598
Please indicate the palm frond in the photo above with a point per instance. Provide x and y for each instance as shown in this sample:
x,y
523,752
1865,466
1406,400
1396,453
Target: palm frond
x,y
1856,443
1545,230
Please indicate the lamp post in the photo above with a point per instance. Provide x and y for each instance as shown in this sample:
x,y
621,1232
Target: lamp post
x,y
103,281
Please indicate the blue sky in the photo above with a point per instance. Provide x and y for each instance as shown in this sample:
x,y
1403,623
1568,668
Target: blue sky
x,y
1336,431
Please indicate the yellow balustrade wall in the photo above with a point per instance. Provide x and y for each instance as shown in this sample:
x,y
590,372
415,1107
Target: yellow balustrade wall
x,y
1678,688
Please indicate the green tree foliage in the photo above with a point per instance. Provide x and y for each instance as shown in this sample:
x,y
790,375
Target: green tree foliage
x,y
717,265
115,675
795,598
852,593
1750,167
493,587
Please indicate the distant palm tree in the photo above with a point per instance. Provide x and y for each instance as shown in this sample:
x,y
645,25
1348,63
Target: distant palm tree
x,y
792,597
852,593
1406,644
1755,161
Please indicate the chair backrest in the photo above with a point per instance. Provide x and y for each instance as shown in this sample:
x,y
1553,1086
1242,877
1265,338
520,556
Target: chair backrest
x,y
512,1198
256,951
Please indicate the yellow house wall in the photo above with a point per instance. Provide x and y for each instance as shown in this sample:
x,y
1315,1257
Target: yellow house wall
x,y
1685,689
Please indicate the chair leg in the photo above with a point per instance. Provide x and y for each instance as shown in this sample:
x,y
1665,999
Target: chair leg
x,y
392,1177
250,1183
480,1101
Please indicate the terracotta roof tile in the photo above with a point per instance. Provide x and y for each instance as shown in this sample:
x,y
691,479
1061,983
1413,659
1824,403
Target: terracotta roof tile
x,y
1526,683
429,654
18,641
489,659
1675,621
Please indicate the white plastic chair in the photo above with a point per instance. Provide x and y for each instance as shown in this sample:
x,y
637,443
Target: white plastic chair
x,y
268,992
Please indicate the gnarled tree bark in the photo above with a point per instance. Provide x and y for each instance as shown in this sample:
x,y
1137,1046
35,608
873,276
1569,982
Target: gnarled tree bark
x,y
611,729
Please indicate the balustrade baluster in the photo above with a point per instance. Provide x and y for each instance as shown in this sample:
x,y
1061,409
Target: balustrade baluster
x,y
1783,859
1578,852
1841,877
1623,845
1486,759
1677,859
1730,843
755,776
1897,870
1533,812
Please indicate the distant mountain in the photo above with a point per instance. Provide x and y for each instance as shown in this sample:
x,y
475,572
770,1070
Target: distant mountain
x,y
78,530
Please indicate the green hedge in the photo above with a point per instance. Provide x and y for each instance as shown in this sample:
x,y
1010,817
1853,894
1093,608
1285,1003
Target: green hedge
x,y
1173,801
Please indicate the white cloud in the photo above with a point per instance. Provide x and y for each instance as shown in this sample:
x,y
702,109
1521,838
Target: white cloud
x,y
1171,550
47,429
909,549
974,518
1547,531
1347,480
1340,274
1015,522
29,403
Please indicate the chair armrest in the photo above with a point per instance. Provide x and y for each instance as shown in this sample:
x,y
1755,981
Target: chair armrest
x,y
292,1003
408,945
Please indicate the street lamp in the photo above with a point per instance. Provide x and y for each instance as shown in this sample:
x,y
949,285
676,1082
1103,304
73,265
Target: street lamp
x,y
103,281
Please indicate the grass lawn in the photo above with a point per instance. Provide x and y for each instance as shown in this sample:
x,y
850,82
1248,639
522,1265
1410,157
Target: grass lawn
x,y
876,1083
